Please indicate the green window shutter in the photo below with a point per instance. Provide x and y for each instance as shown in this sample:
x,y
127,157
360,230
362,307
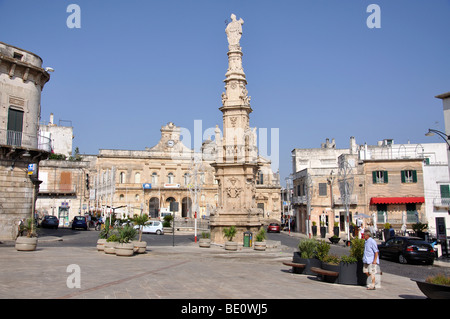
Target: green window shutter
x,y
386,177
403,176
414,176
445,191
374,177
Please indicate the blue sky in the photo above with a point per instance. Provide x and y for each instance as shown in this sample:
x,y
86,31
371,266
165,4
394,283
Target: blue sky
x,y
314,68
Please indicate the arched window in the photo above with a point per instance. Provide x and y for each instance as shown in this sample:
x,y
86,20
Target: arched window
x,y
137,178
122,178
154,178
170,178
186,179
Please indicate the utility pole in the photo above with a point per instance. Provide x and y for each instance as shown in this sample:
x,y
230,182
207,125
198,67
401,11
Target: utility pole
x,y
196,170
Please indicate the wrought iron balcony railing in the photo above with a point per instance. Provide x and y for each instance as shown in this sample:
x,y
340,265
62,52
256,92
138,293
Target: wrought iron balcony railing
x,y
20,139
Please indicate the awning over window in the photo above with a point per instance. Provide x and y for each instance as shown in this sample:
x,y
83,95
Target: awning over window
x,y
396,200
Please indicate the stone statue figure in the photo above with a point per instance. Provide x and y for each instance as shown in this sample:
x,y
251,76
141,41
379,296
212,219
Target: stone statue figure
x,y
234,31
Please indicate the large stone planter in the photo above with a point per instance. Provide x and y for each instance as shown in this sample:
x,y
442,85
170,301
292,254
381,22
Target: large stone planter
x,y
139,247
101,244
260,245
308,262
204,243
231,245
109,247
331,267
433,291
26,243
352,274
124,249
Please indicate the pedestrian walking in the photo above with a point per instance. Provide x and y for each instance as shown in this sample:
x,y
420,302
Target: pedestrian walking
x,y
371,261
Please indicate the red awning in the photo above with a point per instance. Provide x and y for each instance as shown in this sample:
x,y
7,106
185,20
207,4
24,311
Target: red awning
x,y
396,200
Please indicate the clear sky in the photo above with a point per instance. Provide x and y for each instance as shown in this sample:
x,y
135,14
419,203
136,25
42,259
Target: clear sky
x,y
314,68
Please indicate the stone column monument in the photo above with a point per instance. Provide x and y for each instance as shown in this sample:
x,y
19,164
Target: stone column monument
x,y
237,156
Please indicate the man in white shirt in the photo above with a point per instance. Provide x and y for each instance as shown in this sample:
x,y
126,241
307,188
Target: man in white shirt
x,y
371,260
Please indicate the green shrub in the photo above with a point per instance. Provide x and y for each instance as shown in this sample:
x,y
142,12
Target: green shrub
x,y
357,248
348,259
206,235
112,238
229,233
126,234
331,259
419,227
261,235
307,248
439,279
322,249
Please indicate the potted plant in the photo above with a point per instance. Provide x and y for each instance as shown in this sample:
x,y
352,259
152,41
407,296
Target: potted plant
x,y
307,256
435,287
386,231
103,236
314,229
27,237
125,247
336,230
140,246
205,240
229,233
322,249
334,239
419,229
332,263
351,267
110,245
260,243
167,224
323,230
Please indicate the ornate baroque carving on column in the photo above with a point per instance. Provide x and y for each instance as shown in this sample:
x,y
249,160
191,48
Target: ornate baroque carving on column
x,y
237,161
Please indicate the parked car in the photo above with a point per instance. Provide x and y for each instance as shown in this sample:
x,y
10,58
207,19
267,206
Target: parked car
x,y
407,250
152,227
79,222
273,227
50,222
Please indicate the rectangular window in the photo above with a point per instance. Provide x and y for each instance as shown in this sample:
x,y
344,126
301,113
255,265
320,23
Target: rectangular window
x,y
381,210
322,189
445,191
380,177
15,126
260,178
411,213
409,176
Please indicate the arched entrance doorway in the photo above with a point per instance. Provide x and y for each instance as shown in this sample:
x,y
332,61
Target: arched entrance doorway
x,y
186,206
153,207
169,200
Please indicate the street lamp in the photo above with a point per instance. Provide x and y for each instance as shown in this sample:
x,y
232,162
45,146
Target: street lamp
x,y
446,138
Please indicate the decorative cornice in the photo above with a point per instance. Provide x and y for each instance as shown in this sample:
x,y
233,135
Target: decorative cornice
x,y
27,71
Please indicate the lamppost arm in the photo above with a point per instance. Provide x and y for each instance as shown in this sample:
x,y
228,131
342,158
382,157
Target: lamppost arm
x,y
446,138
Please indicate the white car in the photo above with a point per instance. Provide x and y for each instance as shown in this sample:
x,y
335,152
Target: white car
x,y
153,227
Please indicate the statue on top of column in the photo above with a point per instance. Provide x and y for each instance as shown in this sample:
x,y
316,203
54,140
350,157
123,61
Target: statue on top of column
x,y
234,32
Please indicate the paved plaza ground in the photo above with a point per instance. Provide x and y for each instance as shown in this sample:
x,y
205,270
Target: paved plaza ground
x,y
180,272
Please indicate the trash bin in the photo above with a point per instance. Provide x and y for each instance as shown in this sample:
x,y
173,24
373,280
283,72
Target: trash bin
x,y
248,236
